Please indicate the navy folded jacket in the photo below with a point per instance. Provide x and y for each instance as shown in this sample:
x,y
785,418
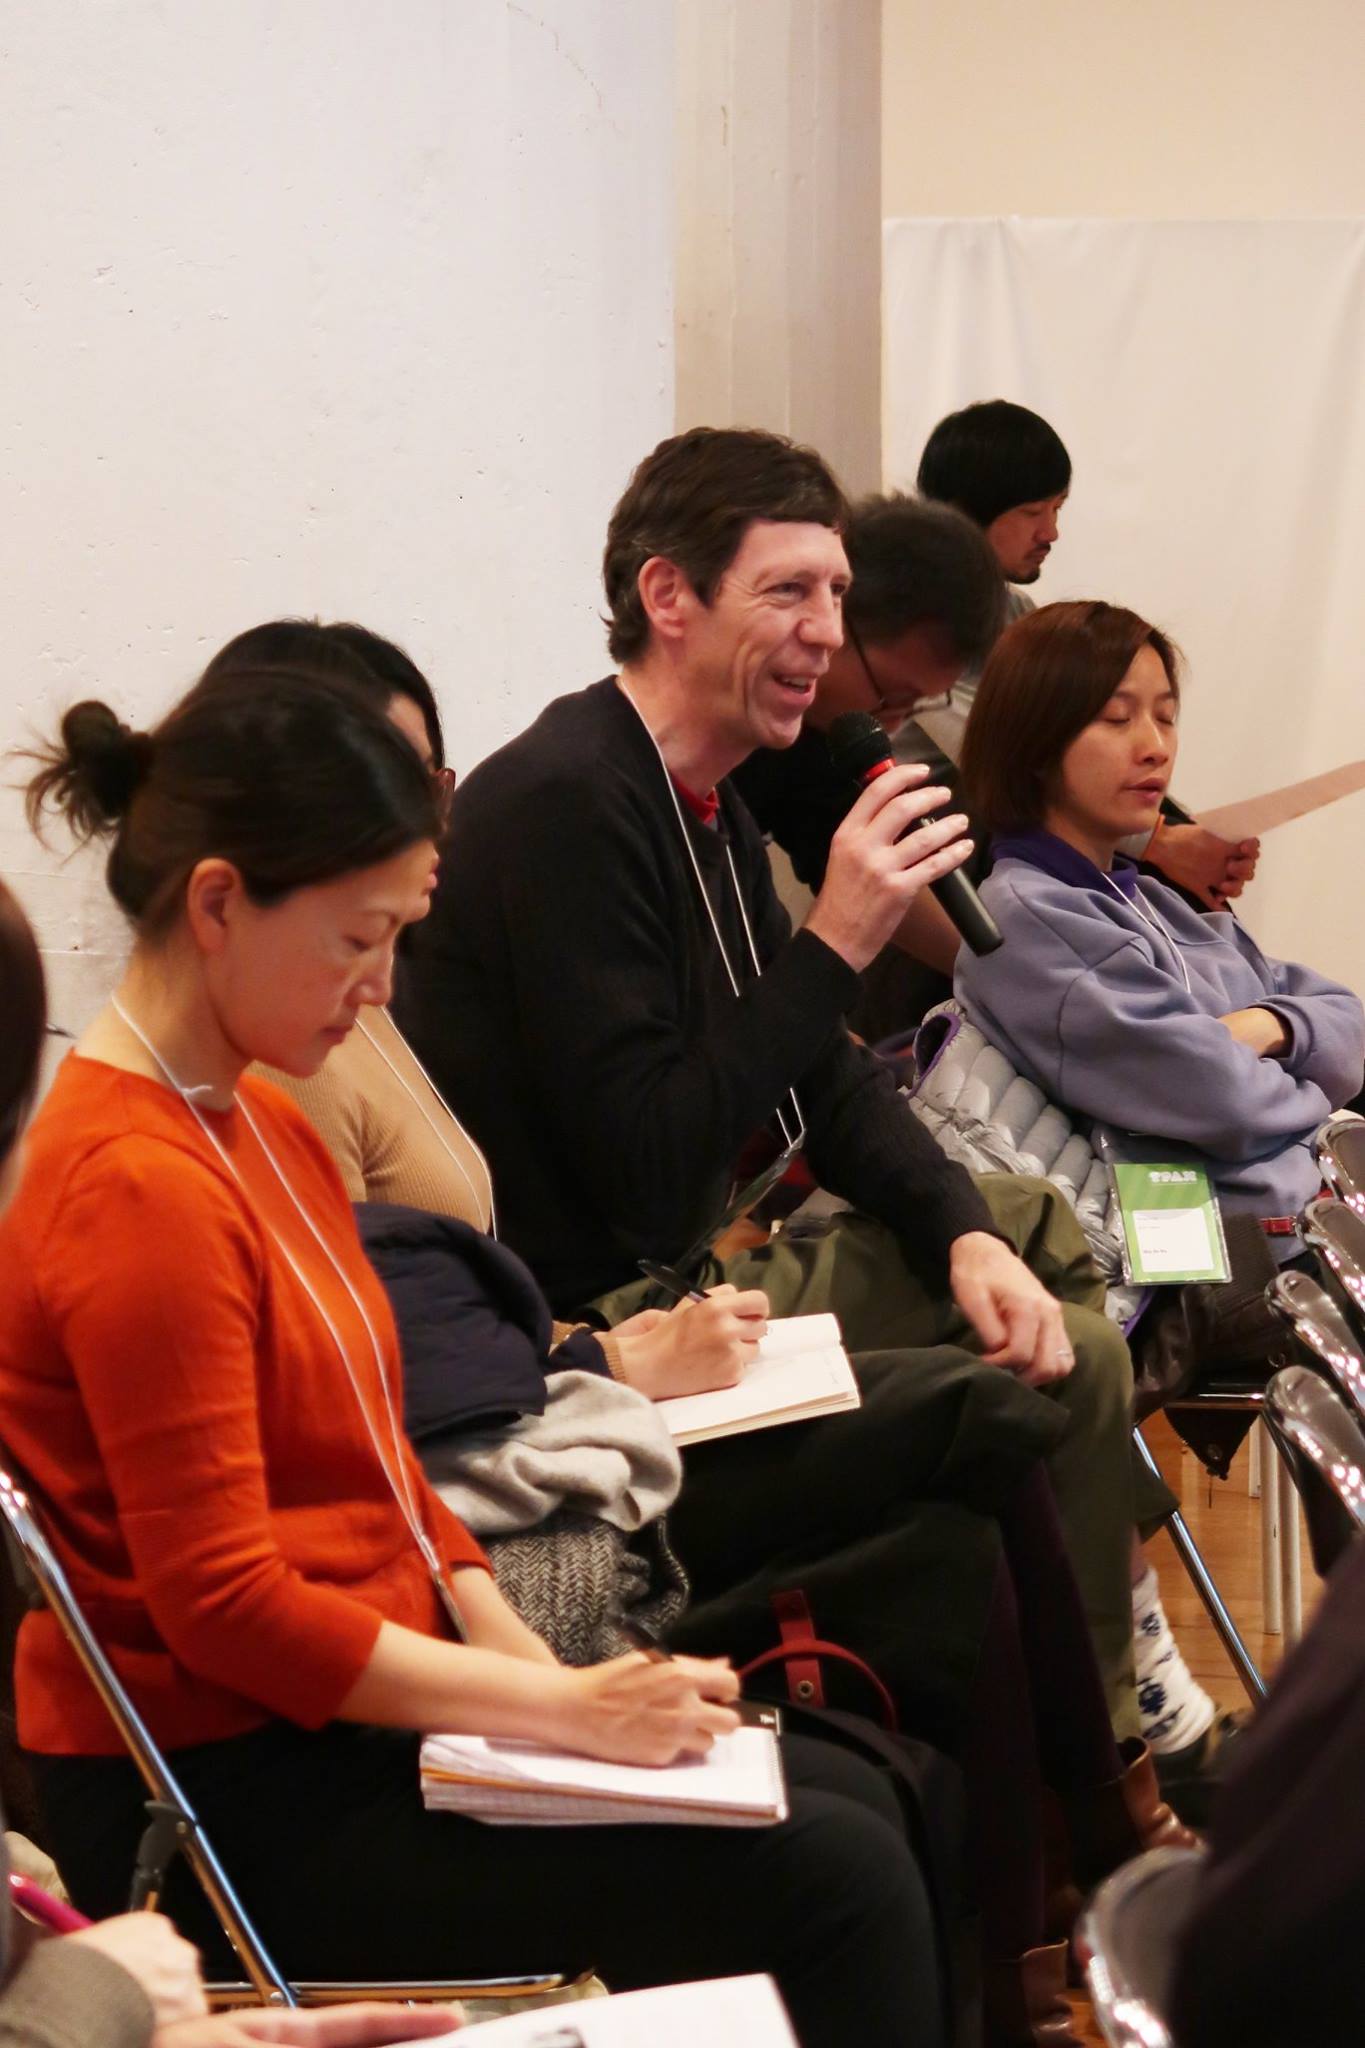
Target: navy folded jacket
x,y
474,1328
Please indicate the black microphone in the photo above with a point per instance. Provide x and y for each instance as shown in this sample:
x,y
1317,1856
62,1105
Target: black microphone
x,y
858,745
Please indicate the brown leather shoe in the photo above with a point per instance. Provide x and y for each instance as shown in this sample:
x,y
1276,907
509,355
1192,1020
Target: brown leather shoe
x,y
1189,1778
1157,1823
1024,2002
1112,1823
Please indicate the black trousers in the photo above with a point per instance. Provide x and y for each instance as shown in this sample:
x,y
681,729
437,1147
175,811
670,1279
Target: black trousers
x,y
888,1518
347,1875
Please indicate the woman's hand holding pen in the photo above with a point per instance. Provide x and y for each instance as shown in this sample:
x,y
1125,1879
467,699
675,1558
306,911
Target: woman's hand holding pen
x,y
640,1709
695,1346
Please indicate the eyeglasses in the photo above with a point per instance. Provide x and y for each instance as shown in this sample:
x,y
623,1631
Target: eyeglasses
x,y
443,781
906,701
880,701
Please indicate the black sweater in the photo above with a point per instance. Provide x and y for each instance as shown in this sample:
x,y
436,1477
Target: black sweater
x,y
568,997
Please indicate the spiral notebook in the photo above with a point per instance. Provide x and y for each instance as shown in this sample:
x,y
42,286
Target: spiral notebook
x,y
800,1370
737,1784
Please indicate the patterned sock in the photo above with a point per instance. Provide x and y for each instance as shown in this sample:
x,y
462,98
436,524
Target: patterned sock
x,y
1175,1708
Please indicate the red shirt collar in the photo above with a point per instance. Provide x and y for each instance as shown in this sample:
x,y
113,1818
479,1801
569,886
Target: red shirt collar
x,y
705,808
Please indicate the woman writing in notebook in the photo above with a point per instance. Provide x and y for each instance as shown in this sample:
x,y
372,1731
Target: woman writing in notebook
x,y
199,1375
131,1981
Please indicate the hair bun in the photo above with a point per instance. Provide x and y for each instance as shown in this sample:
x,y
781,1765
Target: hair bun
x,y
95,772
107,762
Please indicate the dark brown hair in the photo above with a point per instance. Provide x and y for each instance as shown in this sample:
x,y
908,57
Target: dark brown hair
x,y
293,779
1047,677
23,1005
914,561
342,652
990,457
692,501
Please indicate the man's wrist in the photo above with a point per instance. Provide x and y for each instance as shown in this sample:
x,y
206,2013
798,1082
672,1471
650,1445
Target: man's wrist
x,y
972,1242
843,943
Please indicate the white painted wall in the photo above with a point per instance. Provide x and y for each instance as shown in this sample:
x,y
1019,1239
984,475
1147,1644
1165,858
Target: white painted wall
x,y
323,307
1175,109
779,223
1053,144
1206,378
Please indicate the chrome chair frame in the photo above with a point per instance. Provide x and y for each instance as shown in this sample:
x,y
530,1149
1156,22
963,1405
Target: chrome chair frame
x,y
1126,1937
173,1825
1339,1153
1335,1233
1325,1447
1322,1329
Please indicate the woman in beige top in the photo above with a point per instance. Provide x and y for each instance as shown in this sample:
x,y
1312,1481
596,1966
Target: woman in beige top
x,y
393,1136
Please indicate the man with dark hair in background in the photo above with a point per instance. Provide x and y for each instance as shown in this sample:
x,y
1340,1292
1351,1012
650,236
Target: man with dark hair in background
x,y
609,992
1005,469
1008,470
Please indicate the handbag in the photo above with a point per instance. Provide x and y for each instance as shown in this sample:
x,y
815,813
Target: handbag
x,y
928,1785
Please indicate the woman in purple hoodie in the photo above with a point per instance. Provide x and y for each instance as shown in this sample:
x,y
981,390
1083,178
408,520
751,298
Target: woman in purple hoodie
x,y
1123,1003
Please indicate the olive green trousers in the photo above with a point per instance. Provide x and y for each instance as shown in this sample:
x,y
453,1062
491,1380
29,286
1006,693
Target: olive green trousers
x,y
855,1268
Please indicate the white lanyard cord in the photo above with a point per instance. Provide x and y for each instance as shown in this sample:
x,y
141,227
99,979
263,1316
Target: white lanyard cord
x,y
1151,919
437,1132
790,1138
396,1477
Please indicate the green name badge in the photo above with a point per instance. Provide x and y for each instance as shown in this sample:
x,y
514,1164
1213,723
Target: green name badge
x,y
1172,1231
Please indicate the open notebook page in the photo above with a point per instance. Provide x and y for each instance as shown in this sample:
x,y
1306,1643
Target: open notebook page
x,y
800,1370
728,2012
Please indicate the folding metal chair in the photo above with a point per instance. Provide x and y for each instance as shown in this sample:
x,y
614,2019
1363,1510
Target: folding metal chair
x,y
1323,1331
1339,1149
1335,1233
1325,1448
1128,1936
174,1827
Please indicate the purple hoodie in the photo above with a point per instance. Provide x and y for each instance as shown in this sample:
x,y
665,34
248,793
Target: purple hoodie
x,y
1107,993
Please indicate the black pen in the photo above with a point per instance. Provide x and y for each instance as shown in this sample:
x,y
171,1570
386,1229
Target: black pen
x,y
752,1713
670,1280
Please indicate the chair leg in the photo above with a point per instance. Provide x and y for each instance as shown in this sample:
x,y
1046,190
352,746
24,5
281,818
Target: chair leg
x,y
256,1959
1291,1574
1271,1583
1253,1684
1187,1550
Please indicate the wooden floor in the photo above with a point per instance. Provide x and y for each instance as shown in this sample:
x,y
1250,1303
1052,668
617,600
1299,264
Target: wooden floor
x,y
1225,1522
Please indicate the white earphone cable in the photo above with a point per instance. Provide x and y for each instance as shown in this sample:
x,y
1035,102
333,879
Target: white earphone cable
x,y
794,1136
395,1475
481,1206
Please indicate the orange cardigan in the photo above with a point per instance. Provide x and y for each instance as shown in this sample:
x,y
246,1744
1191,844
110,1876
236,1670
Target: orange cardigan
x,y
185,1420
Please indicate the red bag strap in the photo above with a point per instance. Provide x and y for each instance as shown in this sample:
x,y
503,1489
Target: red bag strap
x,y
801,1650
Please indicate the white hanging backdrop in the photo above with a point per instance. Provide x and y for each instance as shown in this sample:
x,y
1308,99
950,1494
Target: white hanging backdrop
x,y
1206,377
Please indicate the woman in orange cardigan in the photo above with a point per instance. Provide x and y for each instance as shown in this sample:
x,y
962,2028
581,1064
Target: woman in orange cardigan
x,y
132,1981
199,1374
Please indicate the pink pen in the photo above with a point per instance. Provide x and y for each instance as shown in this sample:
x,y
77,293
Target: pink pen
x,y
54,1914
